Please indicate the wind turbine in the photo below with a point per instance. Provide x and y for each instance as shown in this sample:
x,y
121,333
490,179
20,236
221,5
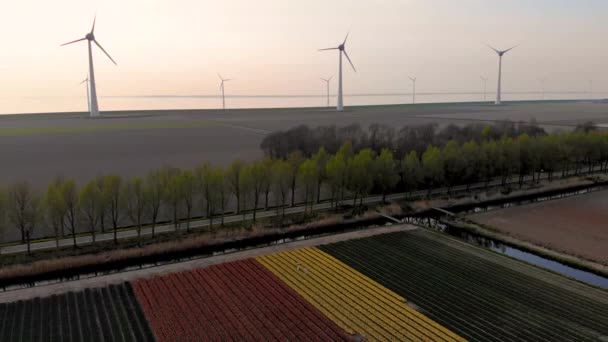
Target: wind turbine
x,y
500,54
341,47
327,83
86,80
484,80
222,89
90,37
413,79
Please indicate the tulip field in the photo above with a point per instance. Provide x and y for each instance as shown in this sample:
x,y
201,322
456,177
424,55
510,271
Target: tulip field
x,y
407,286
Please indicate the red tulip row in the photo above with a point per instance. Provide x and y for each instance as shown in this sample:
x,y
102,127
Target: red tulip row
x,y
235,301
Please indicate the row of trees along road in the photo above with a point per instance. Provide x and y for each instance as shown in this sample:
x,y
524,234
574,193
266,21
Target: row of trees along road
x,y
170,194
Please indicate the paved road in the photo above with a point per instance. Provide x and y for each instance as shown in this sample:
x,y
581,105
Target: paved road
x,y
198,224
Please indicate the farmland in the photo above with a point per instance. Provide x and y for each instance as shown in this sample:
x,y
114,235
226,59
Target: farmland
x,y
475,293
406,285
575,225
236,301
103,314
38,147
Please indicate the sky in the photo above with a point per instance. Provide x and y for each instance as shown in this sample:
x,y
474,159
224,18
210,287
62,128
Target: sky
x,y
177,47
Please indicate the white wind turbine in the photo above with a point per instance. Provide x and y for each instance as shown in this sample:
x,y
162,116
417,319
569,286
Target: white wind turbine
x,y
500,54
484,80
222,89
327,83
413,79
341,47
86,80
90,37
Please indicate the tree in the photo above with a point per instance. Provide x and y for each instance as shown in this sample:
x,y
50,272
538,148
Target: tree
x,y
174,192
336,176
294,160
453,164
89,203
112,195
69,194
233,175
267,180
104,203
257,174
360,170
412,175
215,191
281,176
3,209
135,201
155,193
432,167
55,208
386,172
471,159
308,176
246,187
189,192
321,158
23,204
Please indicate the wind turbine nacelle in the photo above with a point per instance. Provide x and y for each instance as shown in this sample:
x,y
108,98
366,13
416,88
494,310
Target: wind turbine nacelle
x,y
341,47
90,36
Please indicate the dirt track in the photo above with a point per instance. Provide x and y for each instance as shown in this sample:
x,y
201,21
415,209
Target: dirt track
x,y
48,290
577,225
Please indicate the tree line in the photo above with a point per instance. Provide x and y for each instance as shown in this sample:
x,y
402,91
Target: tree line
x,y
110,202
401,141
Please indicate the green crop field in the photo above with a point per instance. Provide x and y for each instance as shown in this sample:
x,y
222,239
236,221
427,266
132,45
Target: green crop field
x,y
476,293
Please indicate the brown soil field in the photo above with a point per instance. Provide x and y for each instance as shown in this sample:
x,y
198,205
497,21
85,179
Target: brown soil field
x,y
576,225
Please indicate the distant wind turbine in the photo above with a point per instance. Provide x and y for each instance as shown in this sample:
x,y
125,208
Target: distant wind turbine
x,y
86,80
327,83
222,89
500,54
90,37
484,80
413,79
341,47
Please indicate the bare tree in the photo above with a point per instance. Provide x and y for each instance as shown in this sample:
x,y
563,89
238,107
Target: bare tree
x,y
24,210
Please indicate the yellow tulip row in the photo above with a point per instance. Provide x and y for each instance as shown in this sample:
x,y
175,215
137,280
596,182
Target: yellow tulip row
x,y
355,302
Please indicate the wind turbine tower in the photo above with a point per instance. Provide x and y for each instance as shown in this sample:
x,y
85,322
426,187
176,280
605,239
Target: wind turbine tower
x,y
484,81
342,49
222,89
86,80
413,79
500,53
327,83
90,38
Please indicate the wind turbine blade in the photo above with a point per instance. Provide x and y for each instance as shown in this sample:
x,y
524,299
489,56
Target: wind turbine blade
x,y
345,38
488,45
329,49
329,79
75,41
104,51
510,49
84,81
322,79
228,79
220,76
349,61
93,27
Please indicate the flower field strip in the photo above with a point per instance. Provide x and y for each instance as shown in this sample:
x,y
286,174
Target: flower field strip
x,y
535,296
367,308
236,301
506,331
76,316
376,293
300,313
475,296
389,313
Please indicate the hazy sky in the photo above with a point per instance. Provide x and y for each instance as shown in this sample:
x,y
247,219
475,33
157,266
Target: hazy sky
x,y
176,47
